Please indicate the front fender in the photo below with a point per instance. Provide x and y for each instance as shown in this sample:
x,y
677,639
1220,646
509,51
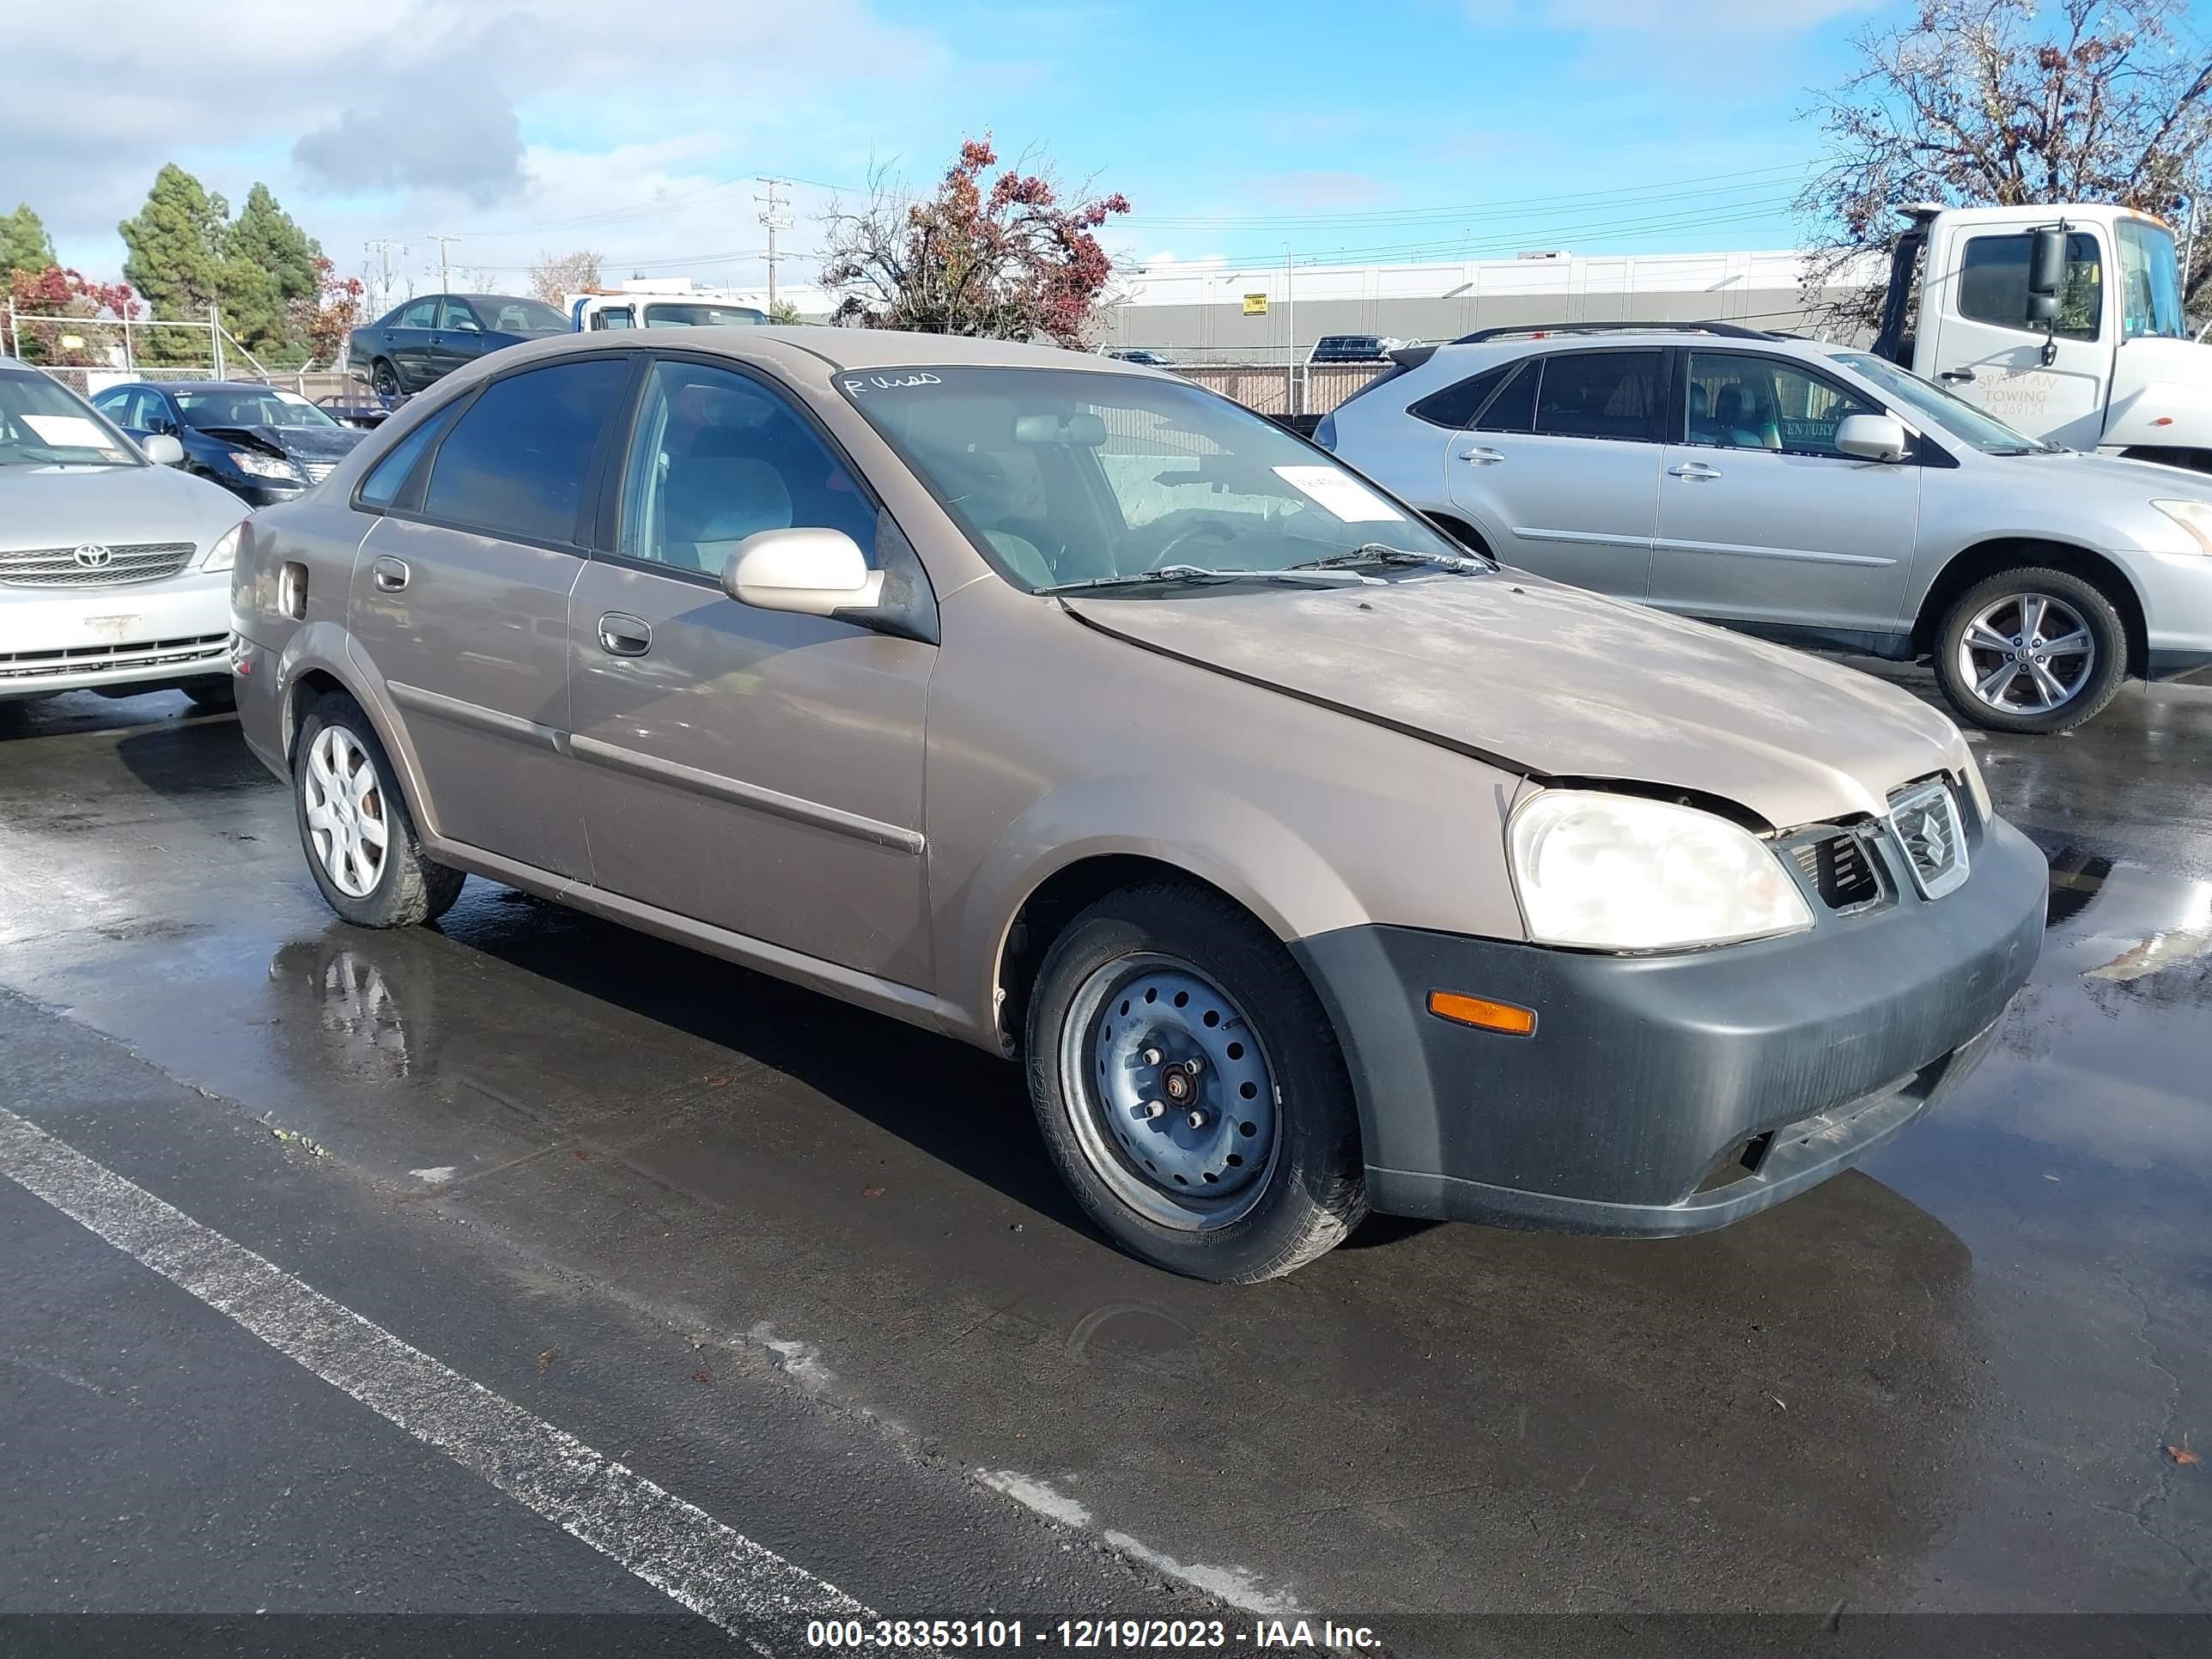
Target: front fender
x,y
1220,838
2162,414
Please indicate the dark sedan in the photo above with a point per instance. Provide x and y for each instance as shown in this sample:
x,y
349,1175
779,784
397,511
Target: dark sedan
x,y
422,342
254,440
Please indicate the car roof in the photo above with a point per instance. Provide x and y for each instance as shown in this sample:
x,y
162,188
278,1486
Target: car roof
x,y
817,353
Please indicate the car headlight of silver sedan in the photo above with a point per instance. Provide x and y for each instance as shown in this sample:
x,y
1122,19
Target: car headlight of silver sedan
x,y
224,553
1621,872
264,466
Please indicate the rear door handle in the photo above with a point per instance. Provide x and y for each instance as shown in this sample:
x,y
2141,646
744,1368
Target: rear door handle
x,y
1695,471
622,635
390,575
1482,455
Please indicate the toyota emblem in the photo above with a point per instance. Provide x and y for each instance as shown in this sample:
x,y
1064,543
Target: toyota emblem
x,y
93,556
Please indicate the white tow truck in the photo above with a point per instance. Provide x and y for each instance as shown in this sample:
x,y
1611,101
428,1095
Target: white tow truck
x,y
2065,323
663,302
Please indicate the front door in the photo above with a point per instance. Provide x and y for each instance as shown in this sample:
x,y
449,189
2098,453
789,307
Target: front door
x,y
1562,468
758,771
459,338
460,602
1763,519
1989,353
407,345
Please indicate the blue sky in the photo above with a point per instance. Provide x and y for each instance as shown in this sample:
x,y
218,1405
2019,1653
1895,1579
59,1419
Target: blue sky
x,y
1429,127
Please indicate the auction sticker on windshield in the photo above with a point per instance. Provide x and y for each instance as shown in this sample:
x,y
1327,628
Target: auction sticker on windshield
x,y
1339,492
68,431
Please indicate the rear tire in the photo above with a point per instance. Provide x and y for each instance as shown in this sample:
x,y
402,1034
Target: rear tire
x,y
346,796
383,378
1257,1115
1992,656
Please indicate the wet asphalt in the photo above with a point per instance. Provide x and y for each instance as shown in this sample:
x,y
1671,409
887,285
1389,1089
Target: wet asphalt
x,y
1971,1376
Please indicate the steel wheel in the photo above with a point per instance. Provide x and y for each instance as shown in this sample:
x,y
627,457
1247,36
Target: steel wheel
x,y
1170,1093
2027,653
347,826
384,380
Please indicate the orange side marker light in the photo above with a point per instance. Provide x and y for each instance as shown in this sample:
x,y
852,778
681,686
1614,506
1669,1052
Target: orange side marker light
x,y
1480,1012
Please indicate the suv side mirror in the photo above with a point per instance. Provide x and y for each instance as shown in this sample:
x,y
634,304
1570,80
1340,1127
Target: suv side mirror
x,y
1872,437
814,572
163,450
2046,273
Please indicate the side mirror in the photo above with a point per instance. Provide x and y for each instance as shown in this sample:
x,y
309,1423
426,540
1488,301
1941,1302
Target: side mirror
x,y
812,571
2046,273
1872,437
163,450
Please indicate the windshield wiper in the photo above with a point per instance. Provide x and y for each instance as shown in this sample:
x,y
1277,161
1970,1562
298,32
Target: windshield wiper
x,y
1303,575
1382,553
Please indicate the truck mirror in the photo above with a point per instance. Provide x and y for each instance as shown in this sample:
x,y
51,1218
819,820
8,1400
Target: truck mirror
x,y
2046,272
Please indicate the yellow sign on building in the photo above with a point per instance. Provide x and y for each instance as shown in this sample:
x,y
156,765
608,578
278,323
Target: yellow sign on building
x,y
1256,305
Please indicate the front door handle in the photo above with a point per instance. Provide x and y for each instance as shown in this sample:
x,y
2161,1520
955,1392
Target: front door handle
x,y
1482,455
1956,374
622,635
1695,471
390,575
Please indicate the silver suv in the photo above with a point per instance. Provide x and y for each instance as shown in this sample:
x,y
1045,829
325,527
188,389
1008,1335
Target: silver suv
x,y
1813,493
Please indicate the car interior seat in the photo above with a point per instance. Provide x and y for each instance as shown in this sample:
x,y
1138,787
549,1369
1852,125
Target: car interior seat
x,y
716,501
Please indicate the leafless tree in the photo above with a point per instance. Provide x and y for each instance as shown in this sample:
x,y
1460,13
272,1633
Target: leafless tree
x,y
556,275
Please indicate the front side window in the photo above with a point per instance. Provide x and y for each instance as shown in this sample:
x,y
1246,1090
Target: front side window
x,y
1993,284
509,314
614,317
2150,283
1060,475
1600,394
455,317
514,464
715,458
702,316
1738,401
41,424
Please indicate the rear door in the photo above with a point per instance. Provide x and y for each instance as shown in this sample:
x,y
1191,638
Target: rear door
x,y
1989,353
1561,470
753,770
1763,519
460,602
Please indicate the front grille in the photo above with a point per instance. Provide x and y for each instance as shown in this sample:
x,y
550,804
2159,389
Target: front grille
x,y
192,649
1839,870
92,564
317,470
1924,818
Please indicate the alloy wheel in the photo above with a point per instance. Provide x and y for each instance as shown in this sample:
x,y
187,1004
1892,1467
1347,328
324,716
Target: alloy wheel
x,y
2027,653
346,820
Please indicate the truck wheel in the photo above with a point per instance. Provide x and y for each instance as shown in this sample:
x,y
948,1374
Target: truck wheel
x,y
2031,650
354,823
384,380
1190,1089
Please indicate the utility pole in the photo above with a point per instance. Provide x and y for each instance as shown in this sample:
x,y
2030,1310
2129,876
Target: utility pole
x,y
776,215
442,241
384,250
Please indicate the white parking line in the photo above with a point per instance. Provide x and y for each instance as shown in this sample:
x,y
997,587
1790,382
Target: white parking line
x,y
675,1546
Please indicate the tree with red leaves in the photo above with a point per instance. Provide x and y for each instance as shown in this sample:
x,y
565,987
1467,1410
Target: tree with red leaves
x,y
59,292
1008,259
324,318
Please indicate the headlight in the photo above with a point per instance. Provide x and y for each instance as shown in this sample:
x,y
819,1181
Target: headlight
x,y
2194,517
224,553
1618,872
1978,789
263,466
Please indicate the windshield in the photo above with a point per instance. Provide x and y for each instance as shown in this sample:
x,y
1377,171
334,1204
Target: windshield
x,y
41,424
700,316
1064,476
2150,283
1935,407
221,406
504,314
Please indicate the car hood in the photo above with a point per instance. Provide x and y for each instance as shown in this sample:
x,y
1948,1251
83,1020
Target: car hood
x,y
62,506
1555,682
2130,483
303,443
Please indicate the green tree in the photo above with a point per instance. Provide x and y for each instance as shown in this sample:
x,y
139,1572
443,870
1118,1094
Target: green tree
x,y
178,248
784,312
266,239
24,244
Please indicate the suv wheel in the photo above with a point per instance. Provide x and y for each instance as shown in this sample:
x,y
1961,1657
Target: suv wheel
x,y
2031,650
359,835
1190,1089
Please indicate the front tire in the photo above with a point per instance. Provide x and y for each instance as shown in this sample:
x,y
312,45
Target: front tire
x,y
1190,1090
2033,650
355,826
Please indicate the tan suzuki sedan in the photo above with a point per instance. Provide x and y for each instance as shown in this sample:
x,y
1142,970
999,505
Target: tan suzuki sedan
x,y
1309,862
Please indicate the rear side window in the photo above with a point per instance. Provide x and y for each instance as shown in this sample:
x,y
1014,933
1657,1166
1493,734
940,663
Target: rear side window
x,y
514,464
1457,405
1600,394
1514,408
389,476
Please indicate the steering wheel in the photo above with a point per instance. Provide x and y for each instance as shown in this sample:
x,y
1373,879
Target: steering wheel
x,y
1210,529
